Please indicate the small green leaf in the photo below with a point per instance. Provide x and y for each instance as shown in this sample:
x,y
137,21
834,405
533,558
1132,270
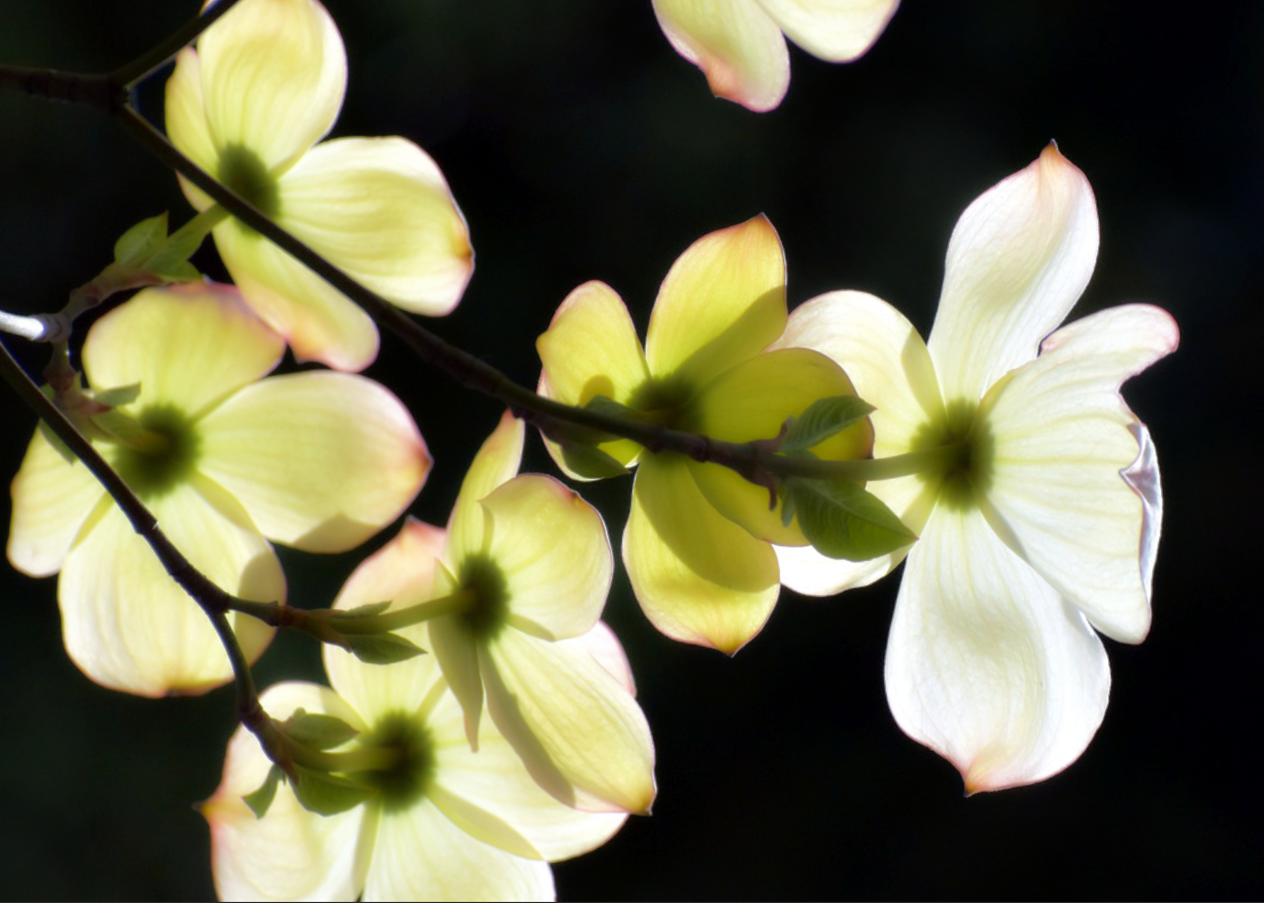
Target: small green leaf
x,y
787,509
360,611
591,463
318,731
114,398
822,419
328,794
140,242
843,520
382,648
260,800
55,441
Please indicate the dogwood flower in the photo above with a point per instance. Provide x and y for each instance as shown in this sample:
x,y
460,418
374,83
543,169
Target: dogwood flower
x,y
223,458
447,823
1047,526
740,45
249,105
698,547
534,563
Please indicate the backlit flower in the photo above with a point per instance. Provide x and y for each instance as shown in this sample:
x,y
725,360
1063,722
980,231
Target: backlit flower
x,y
448,823
249,106
741,44
698,544
317,460
1048,526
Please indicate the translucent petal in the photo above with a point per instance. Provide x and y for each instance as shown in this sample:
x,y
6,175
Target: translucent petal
x,y
700,578
421,855
986,665
890,368
457,653
51,500
321,460
380,210
723,300
601,643
1063,437
580,734
1019,258
187,127
273,77
835,30
496,463
319,322
551,546
130,627
290,854
753,401
625,451
736,45
187,347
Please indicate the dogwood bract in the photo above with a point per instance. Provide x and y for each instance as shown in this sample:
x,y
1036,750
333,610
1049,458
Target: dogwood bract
x,y
223,458
741,44
1048,526
249,105
698,544
447,823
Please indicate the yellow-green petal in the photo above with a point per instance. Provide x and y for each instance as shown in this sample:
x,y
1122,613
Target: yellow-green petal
x,y
835,30
188,347
723,300
735,43
753,401
699,577
321,460
187,127
51,500
273,77
381,211
495,463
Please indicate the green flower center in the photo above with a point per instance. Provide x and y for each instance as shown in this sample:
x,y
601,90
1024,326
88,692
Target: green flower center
x,y
405,782
663,401
961,485
489,611
158,451
241,170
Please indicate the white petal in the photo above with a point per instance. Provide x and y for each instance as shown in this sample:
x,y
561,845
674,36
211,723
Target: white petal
x,y
986,665
835,30
1063,439
1019,258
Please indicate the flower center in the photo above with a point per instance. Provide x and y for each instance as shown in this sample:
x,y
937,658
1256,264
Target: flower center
x,y
157,451
405,782
241,170
663,401
961,485
489,611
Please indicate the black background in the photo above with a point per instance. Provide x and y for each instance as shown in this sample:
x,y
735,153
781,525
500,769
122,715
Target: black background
x,y
580,146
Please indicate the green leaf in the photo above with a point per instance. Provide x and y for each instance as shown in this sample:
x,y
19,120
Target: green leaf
x,y
318,731
381,648
55,441
260,800
360,611
822,419
328,794
141,242
843,520
591,463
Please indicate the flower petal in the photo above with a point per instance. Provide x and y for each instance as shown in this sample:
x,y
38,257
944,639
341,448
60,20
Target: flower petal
x,y
290,854
753,401
551,546
130,627
321,460
723,300
318,321
700,578
421,855
888,363
986,665
380,210
1062,432
835,30
185,112
601,643
580,734
51,500
1019,258
188,347
736,45
591,349
496,463
273,76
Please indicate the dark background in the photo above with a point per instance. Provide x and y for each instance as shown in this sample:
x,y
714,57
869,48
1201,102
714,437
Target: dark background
x,y
580,146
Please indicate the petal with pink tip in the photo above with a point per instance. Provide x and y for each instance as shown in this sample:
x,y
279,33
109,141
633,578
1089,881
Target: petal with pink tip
x,y
1062,432
986,664
699,577
835,30
737,46
1018,260
321,460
